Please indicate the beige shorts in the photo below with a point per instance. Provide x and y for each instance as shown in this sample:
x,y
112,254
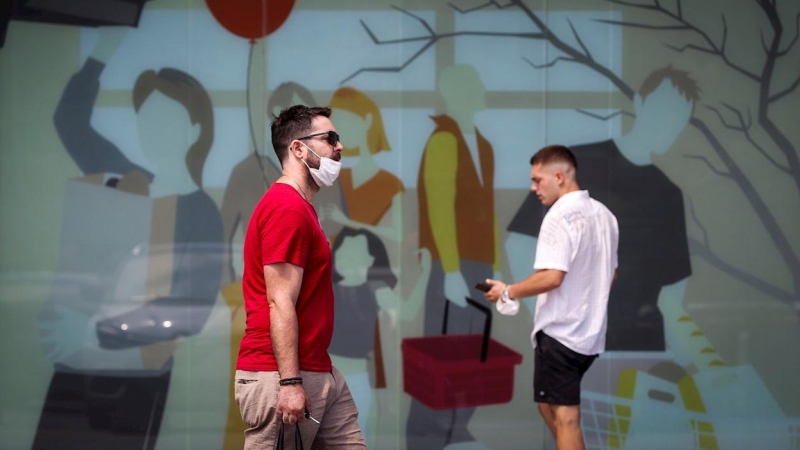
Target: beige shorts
x,y
256,394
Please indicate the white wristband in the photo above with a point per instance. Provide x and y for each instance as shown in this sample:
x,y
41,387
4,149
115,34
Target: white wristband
x,y
504,296
506,306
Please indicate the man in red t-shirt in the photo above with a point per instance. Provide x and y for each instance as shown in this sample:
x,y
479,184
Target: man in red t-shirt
x,y
283,372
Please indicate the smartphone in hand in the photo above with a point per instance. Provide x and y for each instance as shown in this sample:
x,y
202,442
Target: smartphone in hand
x,y
481,286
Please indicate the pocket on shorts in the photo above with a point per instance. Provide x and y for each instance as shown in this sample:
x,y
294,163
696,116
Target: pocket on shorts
x,y
241,387
245,392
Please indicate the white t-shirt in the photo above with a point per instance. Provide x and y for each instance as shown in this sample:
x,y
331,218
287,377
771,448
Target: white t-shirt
x,y
579,236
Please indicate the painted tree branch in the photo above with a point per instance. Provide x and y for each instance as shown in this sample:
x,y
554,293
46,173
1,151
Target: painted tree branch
x,y
549,64
580,41
584,59
479,7
606,117
705,252
645,26
758,204
699,223
428,40
783,143
710,166
789,47
734,171
744,128
765,81
686,25
790,89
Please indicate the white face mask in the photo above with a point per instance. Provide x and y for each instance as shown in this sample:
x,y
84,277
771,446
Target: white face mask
x,y
328,170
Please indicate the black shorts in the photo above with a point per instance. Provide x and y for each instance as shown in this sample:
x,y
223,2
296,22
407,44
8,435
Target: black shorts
x,y
557,372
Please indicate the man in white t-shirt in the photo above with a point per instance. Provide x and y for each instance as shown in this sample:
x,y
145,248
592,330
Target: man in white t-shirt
x,y
575,266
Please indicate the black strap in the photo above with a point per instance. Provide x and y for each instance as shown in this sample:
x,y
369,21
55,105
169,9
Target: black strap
x,y
487,324
298,439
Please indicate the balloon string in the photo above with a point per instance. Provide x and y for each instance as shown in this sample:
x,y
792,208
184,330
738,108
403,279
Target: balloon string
x,y
256,153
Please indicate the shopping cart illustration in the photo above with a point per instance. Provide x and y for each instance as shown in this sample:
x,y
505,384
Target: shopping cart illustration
x,y
613,422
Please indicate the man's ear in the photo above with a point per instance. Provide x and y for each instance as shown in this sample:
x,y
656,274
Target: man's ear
x,y
560,177
292,149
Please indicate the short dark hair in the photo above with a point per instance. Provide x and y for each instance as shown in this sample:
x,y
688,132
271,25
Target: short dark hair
x,y
553,154
680,79
293,122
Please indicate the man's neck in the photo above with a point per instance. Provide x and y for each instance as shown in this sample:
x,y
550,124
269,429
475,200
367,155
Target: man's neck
x,y
572,187
299,180
354,278
365,168
464,119
179,182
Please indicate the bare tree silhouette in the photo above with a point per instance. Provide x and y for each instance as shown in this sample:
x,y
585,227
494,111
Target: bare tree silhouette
x,y
694,37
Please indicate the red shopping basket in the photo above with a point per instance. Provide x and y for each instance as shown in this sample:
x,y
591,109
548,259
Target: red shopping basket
x,y
457,371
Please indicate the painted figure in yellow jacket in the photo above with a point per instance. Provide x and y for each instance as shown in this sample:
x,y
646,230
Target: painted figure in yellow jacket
x,y
458,226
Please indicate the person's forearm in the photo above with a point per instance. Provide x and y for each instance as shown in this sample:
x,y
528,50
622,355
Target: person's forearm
x,y
416,298
91,152
539,282
283,331
186,317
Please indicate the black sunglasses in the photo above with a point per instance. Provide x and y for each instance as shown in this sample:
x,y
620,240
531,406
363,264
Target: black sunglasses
x,y
333,137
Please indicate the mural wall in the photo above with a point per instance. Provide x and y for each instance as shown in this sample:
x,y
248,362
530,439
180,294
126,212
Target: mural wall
x,y
134,144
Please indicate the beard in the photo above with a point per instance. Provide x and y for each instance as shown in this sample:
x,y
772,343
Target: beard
x,y
314,162
310,180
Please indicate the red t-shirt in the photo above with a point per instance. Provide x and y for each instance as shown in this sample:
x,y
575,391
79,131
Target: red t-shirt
x,y
284,228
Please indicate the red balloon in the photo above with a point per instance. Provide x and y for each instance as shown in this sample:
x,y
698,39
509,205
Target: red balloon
x,y
251,19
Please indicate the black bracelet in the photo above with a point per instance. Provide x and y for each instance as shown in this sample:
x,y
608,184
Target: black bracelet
x,y
292,380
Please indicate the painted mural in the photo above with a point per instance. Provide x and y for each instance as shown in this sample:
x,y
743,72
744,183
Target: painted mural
x,y
134,144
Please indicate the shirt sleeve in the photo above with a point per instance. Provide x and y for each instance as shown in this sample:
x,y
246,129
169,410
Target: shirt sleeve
x,y
554,247
72,119
286,238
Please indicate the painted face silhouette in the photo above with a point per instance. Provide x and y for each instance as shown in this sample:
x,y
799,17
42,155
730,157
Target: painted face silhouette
x,y
660,118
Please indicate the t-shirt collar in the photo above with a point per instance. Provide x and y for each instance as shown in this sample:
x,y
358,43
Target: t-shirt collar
x,y
572,197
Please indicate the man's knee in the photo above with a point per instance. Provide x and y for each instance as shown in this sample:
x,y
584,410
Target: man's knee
x,y
567,416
